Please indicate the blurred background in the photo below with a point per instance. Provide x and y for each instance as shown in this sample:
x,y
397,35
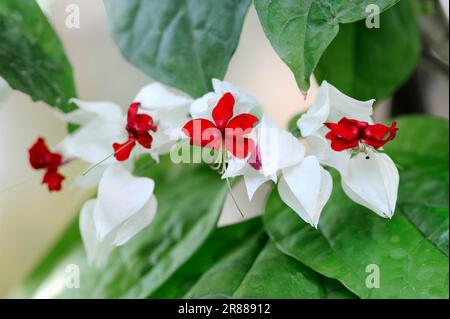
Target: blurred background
x,y
31,219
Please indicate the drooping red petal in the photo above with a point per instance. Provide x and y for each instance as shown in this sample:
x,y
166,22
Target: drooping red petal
x,y
242,124
53,179
339,144
203,132
223,111
39,154
131,114
122,151
143,123
378,134
145,139
239,146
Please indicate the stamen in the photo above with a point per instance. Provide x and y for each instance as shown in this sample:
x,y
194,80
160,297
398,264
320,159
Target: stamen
x,y
106,158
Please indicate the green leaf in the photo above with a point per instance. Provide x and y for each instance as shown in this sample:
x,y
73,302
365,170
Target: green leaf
x,y
220,243
190,199
224,278
257,269
275,275
421,151
372,63
182,43
32,58
408,249
301,30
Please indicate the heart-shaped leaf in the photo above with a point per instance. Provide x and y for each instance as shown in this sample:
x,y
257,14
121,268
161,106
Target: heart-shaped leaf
x,y
182,43
257,269
32,58
356,62
301,30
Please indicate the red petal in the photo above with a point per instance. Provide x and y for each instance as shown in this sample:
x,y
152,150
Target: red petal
x,y
53,180
39,154
143,123
344,129
203,132
242,124
339,144
378,134
145,139
122,151
131,114
239,146
54,161
223,111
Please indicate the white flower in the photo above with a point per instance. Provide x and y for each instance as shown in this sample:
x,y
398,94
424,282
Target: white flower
x,y
124,206
369,179
202,107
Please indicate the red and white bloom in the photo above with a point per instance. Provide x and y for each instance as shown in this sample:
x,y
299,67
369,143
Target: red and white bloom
x,y
40,157
138,128
339,131
125,205
169,110
102,124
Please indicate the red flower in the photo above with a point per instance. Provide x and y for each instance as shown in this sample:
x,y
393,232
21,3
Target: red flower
x,y
348,133
226,129
138,127
41,158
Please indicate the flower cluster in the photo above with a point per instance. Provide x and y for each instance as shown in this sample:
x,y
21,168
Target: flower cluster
x,y
337,131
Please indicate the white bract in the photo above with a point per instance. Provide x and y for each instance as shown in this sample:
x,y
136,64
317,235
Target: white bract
x,y
124,206
100,125
169,110
202,107
370,179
